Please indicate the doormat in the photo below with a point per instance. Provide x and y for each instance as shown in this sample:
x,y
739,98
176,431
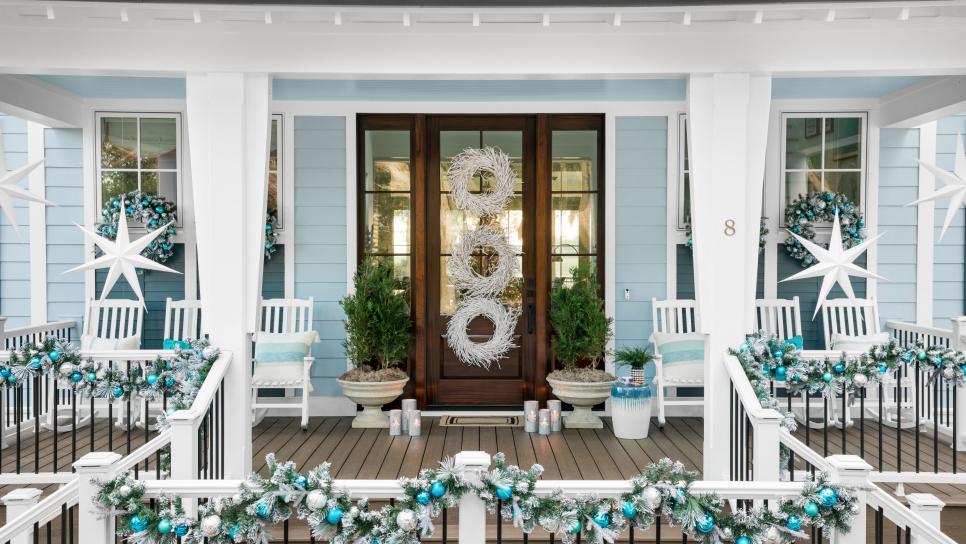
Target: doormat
x,y
480,421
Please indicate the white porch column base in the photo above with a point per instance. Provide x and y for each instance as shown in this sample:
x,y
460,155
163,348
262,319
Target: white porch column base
x,y
228,116
727,134
98,466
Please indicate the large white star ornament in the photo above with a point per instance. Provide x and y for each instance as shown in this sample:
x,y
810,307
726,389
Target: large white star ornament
x,y
955,187
10,190
122,256
834,264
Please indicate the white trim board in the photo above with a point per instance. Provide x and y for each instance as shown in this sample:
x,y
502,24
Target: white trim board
x,y
38,225
925,228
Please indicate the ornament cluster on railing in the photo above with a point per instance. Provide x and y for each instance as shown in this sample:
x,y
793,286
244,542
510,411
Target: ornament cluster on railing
x,y
663,489
765,358
178,378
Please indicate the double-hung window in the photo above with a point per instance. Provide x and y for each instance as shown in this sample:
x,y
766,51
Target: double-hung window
x,y
824,152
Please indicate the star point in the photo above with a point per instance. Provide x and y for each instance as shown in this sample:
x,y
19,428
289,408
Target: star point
x,y
955,185
9,190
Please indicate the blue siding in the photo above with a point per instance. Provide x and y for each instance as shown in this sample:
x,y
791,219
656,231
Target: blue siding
x,y
641,251
273,275
65,242
898,181
949,255
320,255
15,245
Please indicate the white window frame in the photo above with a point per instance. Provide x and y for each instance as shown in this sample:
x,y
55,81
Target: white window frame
x,y
682,152
279,171
863,155
179,178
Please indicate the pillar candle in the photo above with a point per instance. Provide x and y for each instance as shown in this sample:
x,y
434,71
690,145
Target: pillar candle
x,y
415,423
408,405
556,414
530,408
544,424
395,422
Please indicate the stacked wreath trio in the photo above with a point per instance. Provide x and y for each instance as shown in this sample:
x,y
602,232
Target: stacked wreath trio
x,y
662,490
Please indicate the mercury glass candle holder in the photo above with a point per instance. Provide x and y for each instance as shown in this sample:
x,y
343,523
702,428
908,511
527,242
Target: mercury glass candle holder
x,y
530,409
408,406
556,415
544,421
415,423
395,422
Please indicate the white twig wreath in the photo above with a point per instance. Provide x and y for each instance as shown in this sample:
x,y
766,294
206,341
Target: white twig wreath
x,y
482,354
486,160
471,282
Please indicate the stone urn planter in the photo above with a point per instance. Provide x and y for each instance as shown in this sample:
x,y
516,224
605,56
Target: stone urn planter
x,y
372,396
582,396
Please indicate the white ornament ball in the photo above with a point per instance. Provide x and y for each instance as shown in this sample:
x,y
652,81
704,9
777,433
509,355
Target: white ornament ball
x,y
860,380
66,370
726,533
211,526
315,500
124,490
948,373
652,496
406,520
522,486
773,534
208,352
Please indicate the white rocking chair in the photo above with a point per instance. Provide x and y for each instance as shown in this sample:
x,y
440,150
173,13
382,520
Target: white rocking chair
x,y
285,316
674,317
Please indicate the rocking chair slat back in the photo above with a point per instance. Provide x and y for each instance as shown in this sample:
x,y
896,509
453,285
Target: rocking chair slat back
x,y
113,318
781,317
675,316
280,315
851,317
182,319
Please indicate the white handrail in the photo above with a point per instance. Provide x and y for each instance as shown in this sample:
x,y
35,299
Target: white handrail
x,y
918,329
148,448
745,392
37,329
902,516
116,355
802,450
44,511
216,374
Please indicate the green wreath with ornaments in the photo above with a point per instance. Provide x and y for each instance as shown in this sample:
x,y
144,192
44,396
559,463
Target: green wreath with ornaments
x,y
152,210
662,490
762,233
804,212
271,234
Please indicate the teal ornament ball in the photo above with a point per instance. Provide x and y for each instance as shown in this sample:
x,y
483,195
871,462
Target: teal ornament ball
x,y
811,509
883,368
827,377
264,509
11,379
794,523
76,377
778,354
91,377
504,493
301,481
839,368
422,497
575,529
921,356
54,355
743,540
706,524
602,519
138,523
334,516
152,379
181,530
117,392
438,489
4,372
36,363
164,526
780,373
630,511
233,531
828,496
169,382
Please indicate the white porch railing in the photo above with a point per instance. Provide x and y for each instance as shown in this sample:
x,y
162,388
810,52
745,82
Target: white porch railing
x,y
32,334
753,454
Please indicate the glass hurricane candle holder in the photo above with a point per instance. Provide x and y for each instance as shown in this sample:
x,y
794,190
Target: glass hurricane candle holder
x,y
408,406
544,421
415,423
556,415
530,408
395,422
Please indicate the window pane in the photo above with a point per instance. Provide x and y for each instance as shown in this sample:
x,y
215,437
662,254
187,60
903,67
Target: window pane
x,y
801,184
168,186
119,142
687,197
272,199
453,222
803,143
843,143
115,183
387,223
561,265
574,160
159,143
273,147
511,143
844,182
574,223
149,182
387,160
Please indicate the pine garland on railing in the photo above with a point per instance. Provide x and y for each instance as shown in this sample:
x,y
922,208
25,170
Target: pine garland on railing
x,y
663,489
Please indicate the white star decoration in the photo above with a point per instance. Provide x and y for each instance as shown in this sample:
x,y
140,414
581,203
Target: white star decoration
x,y
834,264
123,256
955,187
10,190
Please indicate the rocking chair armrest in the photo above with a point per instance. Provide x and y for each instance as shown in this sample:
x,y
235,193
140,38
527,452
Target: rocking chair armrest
x,y
308,361
658,367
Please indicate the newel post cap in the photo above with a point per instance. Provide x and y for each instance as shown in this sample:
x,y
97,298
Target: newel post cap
x,y
473,460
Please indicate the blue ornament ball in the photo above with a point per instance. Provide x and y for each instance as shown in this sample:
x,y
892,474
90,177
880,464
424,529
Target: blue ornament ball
x,y
264,509
301,481
811,509
438,489
576,527
778,354
780,373
827,377
839,368
268,227
159,209
334,516
138,523
76,377
54,355
922,356
36,363
4,372
181,530
11,379
794,523
422,497
829,497
706,524
743,540
169,382
91,377
164,526
117,392
152,379
233,531
630,511
504,493
602,519
883,368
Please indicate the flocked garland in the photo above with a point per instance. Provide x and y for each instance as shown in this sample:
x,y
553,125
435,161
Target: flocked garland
x,y
766,357
271,234
148,208
762,233
663,489
178,378
820,207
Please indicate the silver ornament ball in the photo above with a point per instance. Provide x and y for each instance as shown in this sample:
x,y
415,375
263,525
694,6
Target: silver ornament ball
x,y
406,520
315,499
124,490
948,373
773,535
211,526
652,497
860,379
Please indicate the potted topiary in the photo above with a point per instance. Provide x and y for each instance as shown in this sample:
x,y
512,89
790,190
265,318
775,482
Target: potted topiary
x,y
377,327
635,357
581,331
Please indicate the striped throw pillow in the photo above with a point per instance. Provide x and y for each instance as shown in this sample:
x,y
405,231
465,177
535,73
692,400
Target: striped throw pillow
x,y
681,354
280,348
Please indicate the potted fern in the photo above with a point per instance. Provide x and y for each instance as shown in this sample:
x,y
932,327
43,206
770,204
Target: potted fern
x,y
581,332
377,327
637,359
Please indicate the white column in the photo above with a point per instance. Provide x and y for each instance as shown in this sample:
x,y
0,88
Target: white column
x,y
727,133
93,468
766,440
228,136
929,508
472,528
852,471
17,502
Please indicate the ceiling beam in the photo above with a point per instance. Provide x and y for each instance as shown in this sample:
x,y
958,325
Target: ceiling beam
x,y
33,100
930,100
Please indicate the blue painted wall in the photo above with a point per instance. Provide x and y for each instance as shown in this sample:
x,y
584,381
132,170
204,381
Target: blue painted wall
x,y
641,252
14,245
320,228
273,275
949,255
65,242
898,181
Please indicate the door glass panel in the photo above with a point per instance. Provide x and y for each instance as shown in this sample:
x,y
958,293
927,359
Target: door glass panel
x,y
388,203
387,218
573,203
561,265
574,223
574,160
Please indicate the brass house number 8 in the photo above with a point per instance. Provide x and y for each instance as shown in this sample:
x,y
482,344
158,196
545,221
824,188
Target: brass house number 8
x,y
729,229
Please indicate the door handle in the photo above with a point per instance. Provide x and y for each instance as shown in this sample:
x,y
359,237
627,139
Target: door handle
x,y
531,316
